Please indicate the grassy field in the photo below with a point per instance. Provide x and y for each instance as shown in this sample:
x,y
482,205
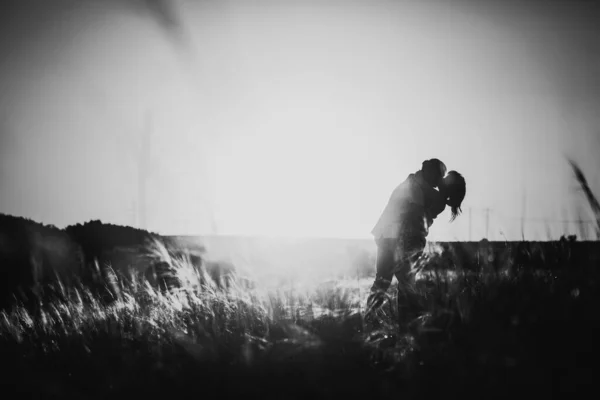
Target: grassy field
x,y
505,331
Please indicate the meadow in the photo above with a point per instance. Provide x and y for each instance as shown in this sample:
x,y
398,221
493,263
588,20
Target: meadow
x,y
493,333
486,320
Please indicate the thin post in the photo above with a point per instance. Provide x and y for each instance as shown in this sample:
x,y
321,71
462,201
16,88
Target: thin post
x,y
470,225
487,223
143,166
523,215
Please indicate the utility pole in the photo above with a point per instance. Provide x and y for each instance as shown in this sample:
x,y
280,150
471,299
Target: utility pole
x,y
133,214
582,225
470,224
523,215
487,222
143,170
215,229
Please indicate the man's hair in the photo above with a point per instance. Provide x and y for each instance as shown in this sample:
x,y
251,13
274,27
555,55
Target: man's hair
x,y
433,168
455,189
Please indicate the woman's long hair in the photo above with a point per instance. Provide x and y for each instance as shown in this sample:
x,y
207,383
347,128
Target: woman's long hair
x,y
454,190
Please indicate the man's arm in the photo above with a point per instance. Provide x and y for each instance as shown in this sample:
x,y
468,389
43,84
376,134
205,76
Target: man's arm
x,y
384,273
385,264
383,280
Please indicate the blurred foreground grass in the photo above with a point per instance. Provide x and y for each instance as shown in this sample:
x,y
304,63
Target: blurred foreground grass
x,y
474,334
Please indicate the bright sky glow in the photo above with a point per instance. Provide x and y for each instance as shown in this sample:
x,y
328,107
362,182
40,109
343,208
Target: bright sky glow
x,y
290,120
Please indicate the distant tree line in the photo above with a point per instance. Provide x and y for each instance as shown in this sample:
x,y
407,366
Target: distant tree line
x,y
96,237
33,254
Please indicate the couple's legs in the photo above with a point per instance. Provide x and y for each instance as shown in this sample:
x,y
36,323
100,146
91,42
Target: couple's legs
x,y
410,252
388,265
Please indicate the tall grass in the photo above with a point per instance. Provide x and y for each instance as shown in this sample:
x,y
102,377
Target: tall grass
x,y
467,328
487,330
589,195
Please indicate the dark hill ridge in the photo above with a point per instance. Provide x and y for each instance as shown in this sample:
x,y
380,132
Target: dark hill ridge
x,y
96,237
33,255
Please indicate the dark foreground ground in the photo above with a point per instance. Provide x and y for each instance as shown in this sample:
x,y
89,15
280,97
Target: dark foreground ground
x,y
478,335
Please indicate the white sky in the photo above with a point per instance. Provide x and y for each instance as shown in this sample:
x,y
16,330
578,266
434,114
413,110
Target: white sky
x,y
295,119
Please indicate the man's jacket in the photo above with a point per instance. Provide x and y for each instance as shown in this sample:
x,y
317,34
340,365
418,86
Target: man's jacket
x,y
410,211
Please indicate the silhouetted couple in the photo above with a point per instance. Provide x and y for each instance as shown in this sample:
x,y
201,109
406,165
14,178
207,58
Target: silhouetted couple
x,y
401,232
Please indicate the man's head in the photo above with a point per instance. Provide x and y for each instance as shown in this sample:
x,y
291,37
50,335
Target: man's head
x,y
433,171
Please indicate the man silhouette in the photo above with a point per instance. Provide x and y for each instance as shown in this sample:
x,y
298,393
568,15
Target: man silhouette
x,y
401,231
